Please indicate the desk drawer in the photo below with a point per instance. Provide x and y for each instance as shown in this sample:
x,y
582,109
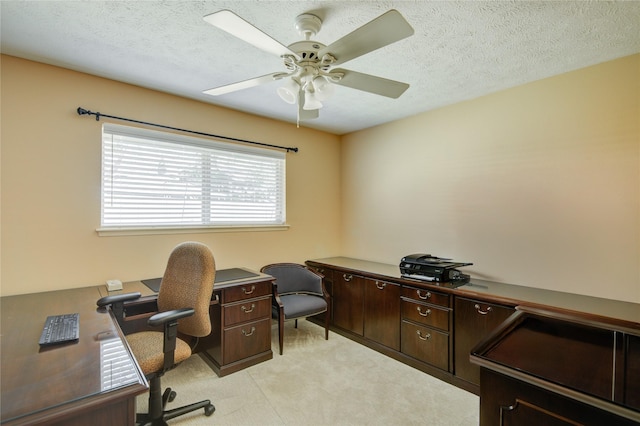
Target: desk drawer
x,y
426,314
248,310
428,296
425,344
247,340
246,291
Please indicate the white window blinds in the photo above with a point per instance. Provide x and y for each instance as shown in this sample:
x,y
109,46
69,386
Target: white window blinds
x,y
154,179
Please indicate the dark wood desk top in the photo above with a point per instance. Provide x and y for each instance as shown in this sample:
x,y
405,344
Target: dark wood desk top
x,y
625,314
146,292
40,383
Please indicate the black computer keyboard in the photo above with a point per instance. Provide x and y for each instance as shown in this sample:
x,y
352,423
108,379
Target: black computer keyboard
x,y
60,328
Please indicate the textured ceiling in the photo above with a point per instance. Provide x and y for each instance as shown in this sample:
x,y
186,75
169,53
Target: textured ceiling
x,y
460,50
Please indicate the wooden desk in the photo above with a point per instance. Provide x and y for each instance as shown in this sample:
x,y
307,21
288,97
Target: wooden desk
x,y
240,314
68,384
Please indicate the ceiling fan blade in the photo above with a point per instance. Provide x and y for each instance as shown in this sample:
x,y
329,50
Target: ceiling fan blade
x,y
382,31
245,84
228,21
371,83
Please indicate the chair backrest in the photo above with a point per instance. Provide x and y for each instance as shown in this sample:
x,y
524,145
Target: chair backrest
x,y
188,283
294,278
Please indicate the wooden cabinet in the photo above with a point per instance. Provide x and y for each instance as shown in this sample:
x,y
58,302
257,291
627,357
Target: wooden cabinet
x,y
425,326
348,302
367,308
505,401
473,321
439,324
541,367
382,312
243,336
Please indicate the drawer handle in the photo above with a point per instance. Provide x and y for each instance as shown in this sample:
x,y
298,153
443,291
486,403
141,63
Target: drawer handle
x,y
380,285
480,311
425,297
253,329
425,337
253,288
249,310
424,314
347,278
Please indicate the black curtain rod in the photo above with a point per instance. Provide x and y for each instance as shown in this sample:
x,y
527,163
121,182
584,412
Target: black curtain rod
x,y
82,111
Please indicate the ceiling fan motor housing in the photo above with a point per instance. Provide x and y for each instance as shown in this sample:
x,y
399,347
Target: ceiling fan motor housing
x,y
307,52
308,25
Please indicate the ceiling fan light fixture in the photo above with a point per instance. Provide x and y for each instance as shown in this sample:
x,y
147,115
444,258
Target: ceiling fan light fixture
x,y
323,89
289,91
311,101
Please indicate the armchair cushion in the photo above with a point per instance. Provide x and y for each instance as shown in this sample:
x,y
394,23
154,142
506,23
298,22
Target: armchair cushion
x,y
147,347
298,305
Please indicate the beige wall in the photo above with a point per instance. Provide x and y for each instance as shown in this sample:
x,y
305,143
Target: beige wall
x,y
538,185
51,183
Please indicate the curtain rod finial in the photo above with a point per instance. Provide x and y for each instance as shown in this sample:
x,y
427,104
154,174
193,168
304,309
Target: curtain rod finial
x,y
82,111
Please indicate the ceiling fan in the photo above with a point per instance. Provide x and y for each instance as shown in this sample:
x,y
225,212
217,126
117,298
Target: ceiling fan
x,y
309,75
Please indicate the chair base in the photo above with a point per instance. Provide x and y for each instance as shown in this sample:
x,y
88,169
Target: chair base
x,y
158,416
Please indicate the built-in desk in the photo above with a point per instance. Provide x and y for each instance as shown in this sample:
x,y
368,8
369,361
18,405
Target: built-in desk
x,y
90,382
437,324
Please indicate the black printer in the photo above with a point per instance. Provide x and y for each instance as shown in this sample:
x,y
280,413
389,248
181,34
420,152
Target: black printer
x,y
426,267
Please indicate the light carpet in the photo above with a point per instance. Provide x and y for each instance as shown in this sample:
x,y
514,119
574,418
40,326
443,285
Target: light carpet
x,y
319,382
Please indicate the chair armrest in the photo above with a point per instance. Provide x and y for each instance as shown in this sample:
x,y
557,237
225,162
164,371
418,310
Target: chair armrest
x,y
117,298
116,302
169,320
162,318
276,297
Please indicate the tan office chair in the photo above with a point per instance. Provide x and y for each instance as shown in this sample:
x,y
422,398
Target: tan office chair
x,y
298,292
185,295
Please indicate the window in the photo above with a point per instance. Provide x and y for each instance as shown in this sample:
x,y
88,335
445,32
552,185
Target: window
x,y
156,180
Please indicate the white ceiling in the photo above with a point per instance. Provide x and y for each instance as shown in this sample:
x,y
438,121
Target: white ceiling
x,y
461,49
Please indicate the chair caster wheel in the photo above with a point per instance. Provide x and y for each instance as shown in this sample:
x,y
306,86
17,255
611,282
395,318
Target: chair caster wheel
x,y
172,396
209,409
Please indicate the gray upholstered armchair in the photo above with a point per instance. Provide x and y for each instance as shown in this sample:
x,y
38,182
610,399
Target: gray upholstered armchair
x,y
298,292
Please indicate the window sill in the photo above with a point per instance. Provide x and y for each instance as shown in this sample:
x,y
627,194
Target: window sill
x,y
158,230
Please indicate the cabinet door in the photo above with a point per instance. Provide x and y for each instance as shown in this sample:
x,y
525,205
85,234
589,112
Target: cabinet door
x,y
632,373
510,402
474,320
348,298
382,312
